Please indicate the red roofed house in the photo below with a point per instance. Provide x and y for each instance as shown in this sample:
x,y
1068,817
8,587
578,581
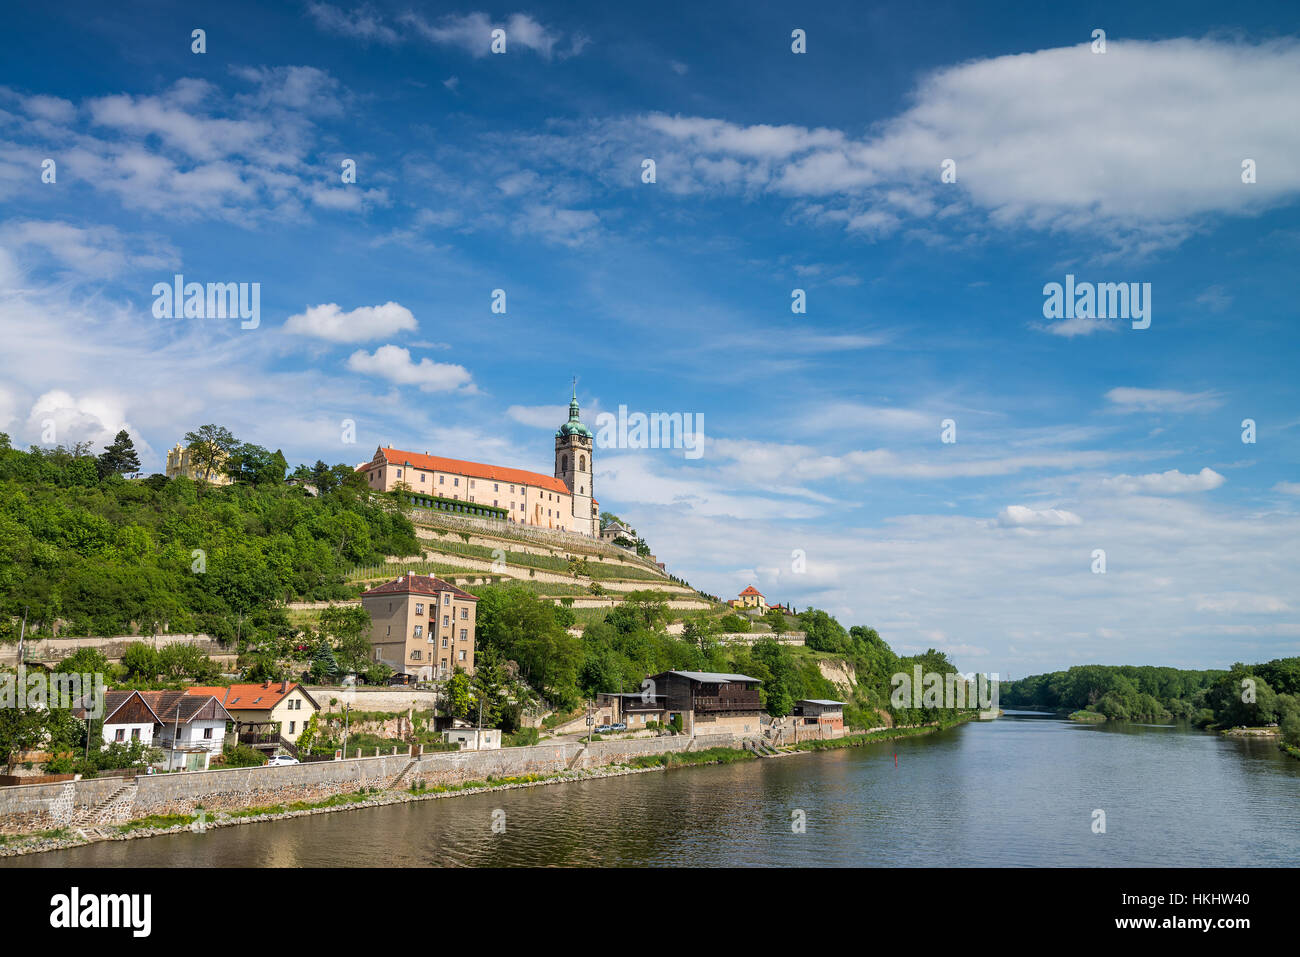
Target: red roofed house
x,y
751,597
422,625
564,500
257,708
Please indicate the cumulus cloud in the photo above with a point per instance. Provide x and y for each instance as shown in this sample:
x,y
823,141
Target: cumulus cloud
x,y
394,364
60,418
328,321
1022,515
1172,482
1056,139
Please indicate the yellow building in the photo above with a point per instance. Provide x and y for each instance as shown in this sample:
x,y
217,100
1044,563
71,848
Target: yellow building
x,y
751,597
285,703
422,625
179,463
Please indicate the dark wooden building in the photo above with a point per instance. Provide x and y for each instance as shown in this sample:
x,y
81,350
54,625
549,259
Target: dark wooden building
x,y
711,702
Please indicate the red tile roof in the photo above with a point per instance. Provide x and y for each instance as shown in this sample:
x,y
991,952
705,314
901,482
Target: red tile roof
x,y
494,473
417,585
249,697
751,590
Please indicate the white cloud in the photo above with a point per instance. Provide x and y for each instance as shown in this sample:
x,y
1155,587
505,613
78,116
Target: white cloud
x,y
1241,603
472,32
59,418
1136,147
1078,326
1162,400
394,364
1288,488
1022,515
364,23
328,321
90,252
1172,482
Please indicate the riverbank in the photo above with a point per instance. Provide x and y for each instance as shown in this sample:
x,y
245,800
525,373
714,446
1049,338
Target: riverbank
x,y
883,734
156,825
159,825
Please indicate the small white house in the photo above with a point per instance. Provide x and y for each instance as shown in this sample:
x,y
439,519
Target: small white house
x,y
474,739
127,718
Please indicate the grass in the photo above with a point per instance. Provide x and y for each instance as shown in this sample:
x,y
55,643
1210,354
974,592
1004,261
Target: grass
x,y
157,820
50,835
676,759
338,800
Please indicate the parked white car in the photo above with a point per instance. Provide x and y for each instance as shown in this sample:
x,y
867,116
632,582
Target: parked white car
x,y
280,760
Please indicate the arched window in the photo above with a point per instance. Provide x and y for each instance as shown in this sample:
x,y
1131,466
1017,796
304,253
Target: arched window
x,y
582,463
564,463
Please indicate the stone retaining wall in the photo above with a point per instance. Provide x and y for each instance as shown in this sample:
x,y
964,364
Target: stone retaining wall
x,y
47,806
53,650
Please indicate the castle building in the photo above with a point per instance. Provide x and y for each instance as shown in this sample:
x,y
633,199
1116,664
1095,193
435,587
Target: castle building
x,y
563,501
179,463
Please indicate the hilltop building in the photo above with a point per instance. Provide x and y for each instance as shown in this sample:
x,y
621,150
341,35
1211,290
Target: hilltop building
x,y
422,625
563,501
751,597
179,463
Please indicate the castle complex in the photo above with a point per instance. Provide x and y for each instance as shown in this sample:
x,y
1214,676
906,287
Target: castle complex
x,y
562,501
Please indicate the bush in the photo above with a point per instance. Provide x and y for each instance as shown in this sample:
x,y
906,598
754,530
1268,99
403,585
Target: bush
x,y
240,756
522,738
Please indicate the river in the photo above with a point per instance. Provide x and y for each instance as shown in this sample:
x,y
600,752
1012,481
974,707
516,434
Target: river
x,y
1020,791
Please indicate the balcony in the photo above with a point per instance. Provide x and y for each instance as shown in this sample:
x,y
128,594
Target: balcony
x,y
738,700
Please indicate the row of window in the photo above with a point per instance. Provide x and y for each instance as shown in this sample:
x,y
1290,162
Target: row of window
x,y
419,609
418,655
419,633
496,487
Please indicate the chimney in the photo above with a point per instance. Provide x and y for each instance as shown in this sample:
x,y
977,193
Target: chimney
x,y
266,684
284,686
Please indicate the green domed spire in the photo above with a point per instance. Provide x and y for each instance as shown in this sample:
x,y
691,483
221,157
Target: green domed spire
x,y
573,426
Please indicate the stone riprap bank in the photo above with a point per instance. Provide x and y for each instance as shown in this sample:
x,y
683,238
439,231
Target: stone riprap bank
x,y
101,801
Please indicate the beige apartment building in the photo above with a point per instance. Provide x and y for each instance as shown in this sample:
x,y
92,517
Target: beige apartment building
x,y
422,625
563,501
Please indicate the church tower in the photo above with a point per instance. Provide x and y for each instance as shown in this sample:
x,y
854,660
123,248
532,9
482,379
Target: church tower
x,y
574,467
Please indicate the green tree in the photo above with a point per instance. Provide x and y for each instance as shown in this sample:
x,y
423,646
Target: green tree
x,y
119,456
324,667
349,627
456,694
141,661
210,448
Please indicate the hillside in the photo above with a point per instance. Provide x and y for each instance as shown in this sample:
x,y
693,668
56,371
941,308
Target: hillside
x,y
107,556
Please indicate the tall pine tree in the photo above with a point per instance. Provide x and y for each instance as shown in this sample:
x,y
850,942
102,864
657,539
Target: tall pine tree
x,y
119,456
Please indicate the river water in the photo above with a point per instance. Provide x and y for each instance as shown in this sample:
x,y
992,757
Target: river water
x,y
1018,791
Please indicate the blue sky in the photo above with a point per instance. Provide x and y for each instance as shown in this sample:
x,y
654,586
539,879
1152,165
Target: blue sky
x,y
774,171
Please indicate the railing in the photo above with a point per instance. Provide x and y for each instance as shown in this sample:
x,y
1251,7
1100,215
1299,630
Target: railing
x,y
740,701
